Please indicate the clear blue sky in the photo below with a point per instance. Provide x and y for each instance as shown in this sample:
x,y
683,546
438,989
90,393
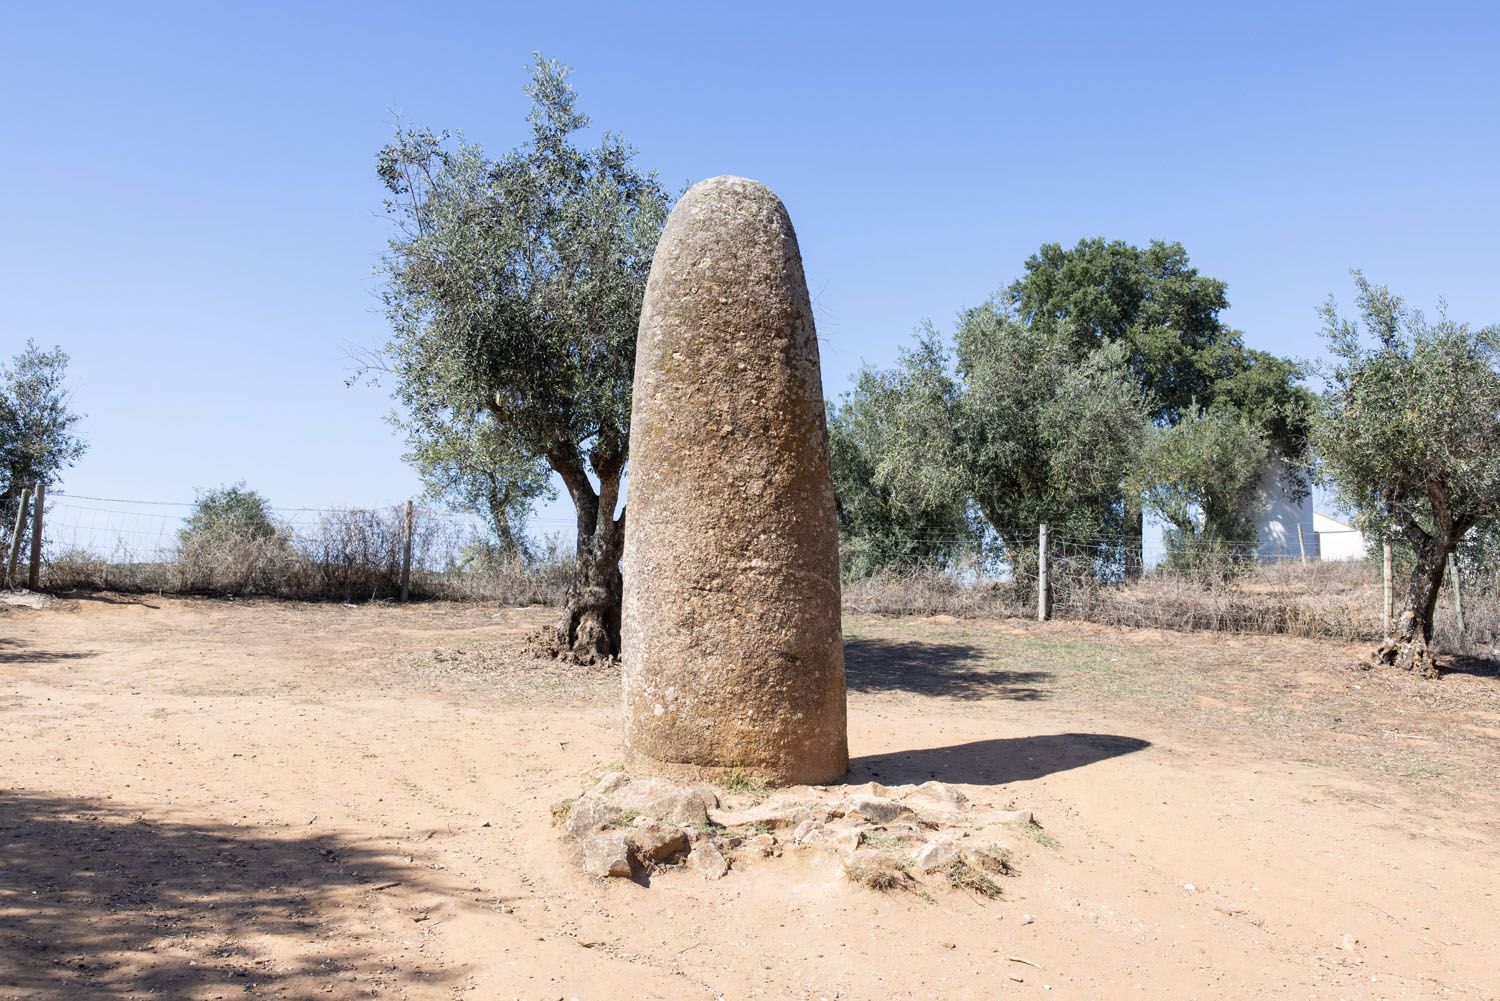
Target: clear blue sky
x,y
191,208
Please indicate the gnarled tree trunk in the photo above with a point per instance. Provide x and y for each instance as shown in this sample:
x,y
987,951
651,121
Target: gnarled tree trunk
x,y
1408,644
589,629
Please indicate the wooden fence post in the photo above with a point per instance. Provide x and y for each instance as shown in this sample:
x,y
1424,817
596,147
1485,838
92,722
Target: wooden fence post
x,y
1043,595
1301,545
34,578
406,554
1387,606
1458,597
15,538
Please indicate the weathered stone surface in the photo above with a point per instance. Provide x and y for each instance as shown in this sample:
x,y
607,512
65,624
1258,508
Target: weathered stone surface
x,y
763,845
732,654
936,799
876,809
808,830
591,813
609,782
607,854
940,849
708,859
663,800
655,841
772,813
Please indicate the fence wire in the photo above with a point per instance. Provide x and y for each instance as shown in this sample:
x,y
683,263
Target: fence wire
x,y
355,553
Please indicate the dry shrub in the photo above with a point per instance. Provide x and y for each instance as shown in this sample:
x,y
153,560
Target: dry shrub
x,y
964,875
235,564
1313,599
348,555
876,870
929,591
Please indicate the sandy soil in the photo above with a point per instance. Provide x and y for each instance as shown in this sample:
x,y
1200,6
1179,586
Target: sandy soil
x,y
213,799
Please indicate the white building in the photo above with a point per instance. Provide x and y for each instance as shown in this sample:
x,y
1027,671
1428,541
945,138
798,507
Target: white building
x,y
1284,528
1338,540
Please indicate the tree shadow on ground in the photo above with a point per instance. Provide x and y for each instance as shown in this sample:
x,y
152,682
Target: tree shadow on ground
x,y
950,670
1475,666
103,598
14,651
993,762
100,903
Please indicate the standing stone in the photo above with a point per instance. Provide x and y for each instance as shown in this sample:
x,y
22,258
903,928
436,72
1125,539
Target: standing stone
x,y
733,656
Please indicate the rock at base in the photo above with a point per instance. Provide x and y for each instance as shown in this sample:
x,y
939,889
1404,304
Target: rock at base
x,y
708,860
875,809
592,813
655,841
939,850
663,800
607,854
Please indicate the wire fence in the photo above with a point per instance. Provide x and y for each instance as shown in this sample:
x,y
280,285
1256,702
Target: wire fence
x,y
1260,587
360,553
337,553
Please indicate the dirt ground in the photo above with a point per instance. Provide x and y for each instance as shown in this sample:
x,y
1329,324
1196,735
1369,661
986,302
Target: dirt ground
x,y
212,799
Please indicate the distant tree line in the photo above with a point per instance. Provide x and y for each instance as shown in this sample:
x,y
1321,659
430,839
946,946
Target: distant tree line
x,y
1101,384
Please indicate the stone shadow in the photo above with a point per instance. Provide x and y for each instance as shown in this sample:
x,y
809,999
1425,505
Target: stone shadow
x,y
993,762
949,670
99,902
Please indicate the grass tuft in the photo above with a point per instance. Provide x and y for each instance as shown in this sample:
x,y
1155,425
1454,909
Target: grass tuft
x,y
964,876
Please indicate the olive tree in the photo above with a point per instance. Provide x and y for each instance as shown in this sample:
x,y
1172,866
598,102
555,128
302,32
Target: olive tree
x,y
1046,434
1012,423
901,498
514,288
1202,476
37,441
1165,318
1410,432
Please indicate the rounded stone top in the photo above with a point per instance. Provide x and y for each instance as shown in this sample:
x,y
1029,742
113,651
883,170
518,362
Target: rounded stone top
x,y
732,186
731,209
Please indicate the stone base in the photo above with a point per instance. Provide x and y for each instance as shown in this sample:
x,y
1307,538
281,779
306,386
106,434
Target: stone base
x,y
680,771
884,836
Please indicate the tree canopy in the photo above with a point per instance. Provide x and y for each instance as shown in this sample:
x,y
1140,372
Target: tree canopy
x,y
231,513
1202,476
1410,432
513,288
898,507
37,420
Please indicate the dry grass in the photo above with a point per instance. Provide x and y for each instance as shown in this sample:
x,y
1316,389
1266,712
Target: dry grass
x,y
876,870
351,555
1327,600
964,875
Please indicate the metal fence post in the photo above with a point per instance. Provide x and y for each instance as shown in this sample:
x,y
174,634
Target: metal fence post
x,y
34,578
1043,595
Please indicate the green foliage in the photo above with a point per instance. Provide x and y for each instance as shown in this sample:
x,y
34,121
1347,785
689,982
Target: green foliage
x,y
1149,300
1043,433
470,464
1202,476
892,449
514,290
1410,424
36,424
1195,369
1165,315
231,514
